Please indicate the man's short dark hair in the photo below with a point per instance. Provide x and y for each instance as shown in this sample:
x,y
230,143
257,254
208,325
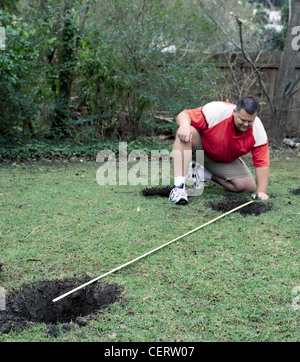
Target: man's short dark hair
x,y
249,104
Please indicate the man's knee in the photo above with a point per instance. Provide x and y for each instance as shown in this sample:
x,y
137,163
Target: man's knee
x,y
195,144
246,184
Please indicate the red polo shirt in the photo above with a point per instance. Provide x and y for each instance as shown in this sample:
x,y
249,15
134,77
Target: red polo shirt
x,y
214,122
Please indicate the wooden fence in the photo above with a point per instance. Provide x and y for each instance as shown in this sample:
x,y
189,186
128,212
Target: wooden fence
x,y
239,79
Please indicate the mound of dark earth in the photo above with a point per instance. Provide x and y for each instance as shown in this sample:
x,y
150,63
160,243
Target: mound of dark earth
x,y
157,191
296,191
229,202
33,303
232,201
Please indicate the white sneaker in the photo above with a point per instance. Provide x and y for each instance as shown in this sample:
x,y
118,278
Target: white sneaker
x,y
178,195
195,175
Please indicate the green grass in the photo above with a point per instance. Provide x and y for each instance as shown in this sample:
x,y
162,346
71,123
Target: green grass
x,y
230,281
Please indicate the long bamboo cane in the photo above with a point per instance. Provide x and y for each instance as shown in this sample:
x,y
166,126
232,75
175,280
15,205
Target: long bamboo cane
x,y
148,253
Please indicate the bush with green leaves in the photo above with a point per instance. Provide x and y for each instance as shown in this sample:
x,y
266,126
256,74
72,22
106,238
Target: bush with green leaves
x,y
134,64
117,64
17,77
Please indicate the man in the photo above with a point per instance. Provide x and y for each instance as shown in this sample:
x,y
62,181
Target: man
x,y
225,132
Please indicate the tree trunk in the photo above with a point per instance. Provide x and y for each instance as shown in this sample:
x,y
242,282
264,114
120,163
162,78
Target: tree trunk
x,y
66,74
285,84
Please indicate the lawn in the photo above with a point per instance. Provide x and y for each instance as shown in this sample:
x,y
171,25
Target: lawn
x,y
230,281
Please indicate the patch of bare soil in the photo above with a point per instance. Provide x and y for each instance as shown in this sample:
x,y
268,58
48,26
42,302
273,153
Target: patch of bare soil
x,y
296,191
33,303
232,201
157,191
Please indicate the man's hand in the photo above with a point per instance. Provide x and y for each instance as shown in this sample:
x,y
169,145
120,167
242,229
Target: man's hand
x,y
184,133
260,196
262,178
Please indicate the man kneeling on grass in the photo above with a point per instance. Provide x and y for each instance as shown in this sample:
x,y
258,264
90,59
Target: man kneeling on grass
x,y
225,132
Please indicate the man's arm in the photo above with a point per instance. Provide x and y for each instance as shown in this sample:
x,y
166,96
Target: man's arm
x,y
262,180
184,133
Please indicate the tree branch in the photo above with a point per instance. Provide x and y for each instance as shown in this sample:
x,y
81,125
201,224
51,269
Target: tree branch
x,y
86,10
271,4
256,70
207,15
290,88
295,91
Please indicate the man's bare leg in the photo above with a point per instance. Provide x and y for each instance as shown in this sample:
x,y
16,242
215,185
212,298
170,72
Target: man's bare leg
x,y
182,153
245,184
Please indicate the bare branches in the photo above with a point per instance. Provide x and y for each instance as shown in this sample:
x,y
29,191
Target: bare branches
x,y
245,55
207,15
294,91
256,70
290,90
86,10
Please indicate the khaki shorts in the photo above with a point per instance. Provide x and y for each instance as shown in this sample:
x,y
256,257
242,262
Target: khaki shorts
x,y
226,170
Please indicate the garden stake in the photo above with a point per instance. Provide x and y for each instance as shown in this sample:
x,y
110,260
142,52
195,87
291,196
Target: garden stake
x,y
148,253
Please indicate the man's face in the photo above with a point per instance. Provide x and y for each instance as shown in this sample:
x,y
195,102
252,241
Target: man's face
x,y
243,120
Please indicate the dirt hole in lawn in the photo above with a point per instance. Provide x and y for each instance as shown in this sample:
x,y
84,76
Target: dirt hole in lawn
x,y
296,191
157,191
232,201
33,303
229,202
